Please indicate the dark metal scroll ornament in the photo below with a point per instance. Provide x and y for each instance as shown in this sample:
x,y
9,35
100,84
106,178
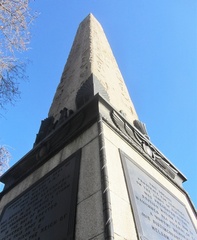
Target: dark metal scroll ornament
x,y
64,115
53,143
48,125
45,128
140,136
141,127
43,151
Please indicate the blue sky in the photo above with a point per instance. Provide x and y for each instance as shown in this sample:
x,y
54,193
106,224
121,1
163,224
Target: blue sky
x,y
155,45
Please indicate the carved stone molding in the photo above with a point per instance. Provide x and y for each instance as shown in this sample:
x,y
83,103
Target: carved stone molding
x,y
58,138
143,142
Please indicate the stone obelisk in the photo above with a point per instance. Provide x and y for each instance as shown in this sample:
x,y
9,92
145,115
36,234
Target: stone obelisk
x,y
91,57
93,173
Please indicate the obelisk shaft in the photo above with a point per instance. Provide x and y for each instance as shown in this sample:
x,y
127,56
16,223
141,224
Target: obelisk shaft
x,y
91,54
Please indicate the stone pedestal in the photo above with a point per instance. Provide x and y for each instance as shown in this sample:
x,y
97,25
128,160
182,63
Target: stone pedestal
x,y
92,179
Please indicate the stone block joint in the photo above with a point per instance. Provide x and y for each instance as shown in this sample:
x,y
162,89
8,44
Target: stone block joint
x,y
108,224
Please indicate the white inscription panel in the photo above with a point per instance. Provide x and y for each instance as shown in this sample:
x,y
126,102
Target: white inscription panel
x,y
158,213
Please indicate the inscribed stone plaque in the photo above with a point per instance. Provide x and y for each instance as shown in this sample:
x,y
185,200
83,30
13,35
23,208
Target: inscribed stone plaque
x,y
45,211
158,213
